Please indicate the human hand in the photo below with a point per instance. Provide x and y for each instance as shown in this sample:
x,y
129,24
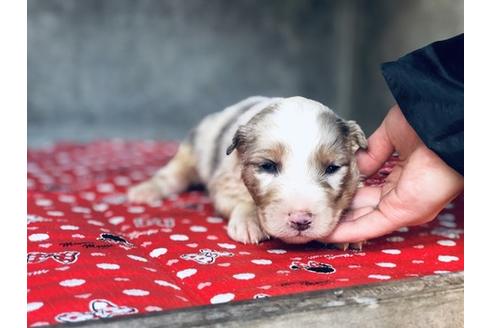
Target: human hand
x,y
418,188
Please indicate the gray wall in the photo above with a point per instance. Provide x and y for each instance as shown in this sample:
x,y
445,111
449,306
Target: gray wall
x,y
388,30
151,69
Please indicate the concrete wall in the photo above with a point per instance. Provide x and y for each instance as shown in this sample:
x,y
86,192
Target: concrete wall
x,y
151,69
388,30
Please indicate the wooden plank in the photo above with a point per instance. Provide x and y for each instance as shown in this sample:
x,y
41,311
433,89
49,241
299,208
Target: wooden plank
x,y
432,301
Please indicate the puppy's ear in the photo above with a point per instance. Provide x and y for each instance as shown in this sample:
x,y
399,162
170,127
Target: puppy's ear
x,y
233,145
237,140
356,136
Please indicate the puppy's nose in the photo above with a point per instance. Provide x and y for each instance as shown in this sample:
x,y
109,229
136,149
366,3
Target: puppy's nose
x,y
300,220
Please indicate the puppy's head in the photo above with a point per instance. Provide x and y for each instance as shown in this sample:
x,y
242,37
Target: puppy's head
x,y
298,163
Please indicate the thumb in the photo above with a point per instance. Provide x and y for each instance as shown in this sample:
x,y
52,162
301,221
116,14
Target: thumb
x,y
378,151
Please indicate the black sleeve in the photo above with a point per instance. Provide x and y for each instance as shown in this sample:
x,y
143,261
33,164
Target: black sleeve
x,y
428,85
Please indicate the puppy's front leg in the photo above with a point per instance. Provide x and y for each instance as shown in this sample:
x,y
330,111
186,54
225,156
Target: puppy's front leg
x,y
232,199
244,225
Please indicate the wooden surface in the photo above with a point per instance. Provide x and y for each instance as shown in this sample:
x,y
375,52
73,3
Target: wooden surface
x,y
432,301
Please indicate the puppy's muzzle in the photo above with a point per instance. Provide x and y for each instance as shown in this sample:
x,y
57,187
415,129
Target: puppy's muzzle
x,y
300,221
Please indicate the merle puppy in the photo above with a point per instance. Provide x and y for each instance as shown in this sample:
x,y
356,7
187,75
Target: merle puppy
x,y
280,167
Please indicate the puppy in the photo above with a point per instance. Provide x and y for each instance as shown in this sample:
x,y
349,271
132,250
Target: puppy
x,y
275,167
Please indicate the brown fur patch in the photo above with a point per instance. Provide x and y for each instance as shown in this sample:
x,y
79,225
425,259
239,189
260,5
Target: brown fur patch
x,y
245,141
261,199
218,142
349,131
250,181
335,154
250,165
347,187
274,153
340,153
227,190
245,137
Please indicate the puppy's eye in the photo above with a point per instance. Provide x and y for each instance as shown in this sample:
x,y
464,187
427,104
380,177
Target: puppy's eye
x,y
330,169
268,167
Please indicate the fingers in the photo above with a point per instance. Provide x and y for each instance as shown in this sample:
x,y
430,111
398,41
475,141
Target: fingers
x,y
364,202
363,224
366,197
354,214
369,226
378,151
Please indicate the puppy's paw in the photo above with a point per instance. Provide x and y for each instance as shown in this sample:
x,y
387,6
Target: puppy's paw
x,y
246,230
145,192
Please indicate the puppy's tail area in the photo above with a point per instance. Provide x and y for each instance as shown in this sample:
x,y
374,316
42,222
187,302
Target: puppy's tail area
x,y
179,173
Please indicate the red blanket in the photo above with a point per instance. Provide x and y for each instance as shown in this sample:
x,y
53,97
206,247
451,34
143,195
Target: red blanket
x,y
93,255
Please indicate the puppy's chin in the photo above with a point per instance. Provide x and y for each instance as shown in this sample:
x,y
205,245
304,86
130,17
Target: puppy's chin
x,y
300,239
291,236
